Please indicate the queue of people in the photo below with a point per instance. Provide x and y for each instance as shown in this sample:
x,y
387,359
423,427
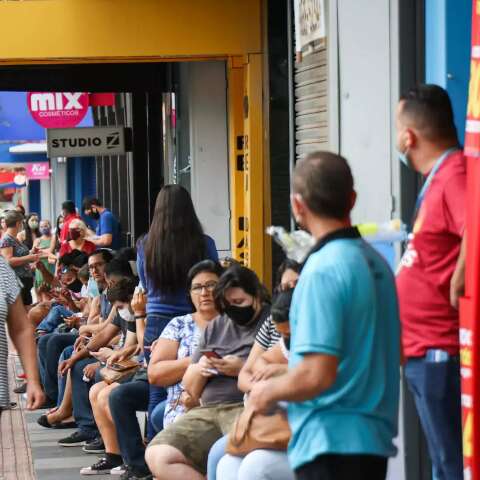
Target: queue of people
x,y
237,384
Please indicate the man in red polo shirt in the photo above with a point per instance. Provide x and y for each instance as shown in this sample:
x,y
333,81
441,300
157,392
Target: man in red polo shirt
x,y
431,275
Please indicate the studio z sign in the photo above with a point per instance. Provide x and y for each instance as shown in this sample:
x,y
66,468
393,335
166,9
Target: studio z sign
x,y
58,109
85,142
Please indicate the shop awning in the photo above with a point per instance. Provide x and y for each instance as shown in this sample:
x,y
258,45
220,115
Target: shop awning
x,y
26,148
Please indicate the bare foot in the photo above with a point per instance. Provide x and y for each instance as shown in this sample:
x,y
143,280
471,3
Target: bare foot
x,y
57,417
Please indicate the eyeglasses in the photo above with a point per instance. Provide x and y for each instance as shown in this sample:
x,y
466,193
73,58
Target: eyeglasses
x,y
96,266
198,288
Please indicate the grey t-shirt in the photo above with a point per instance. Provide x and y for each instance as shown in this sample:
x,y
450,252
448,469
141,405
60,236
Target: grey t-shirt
x,y
226,338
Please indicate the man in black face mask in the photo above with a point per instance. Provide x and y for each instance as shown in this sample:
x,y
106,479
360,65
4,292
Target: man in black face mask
x,y
108,227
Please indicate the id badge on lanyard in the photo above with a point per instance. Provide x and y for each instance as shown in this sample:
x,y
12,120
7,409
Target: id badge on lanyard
x,y
428,181
409,255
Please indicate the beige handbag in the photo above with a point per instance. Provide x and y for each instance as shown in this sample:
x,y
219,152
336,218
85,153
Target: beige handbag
x,y
119,371
253,431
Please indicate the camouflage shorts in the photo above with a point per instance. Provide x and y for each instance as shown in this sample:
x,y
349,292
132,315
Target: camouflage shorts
x,y
196,431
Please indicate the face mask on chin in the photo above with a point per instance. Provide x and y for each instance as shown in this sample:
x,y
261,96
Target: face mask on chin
x,y
126,314
94,214
240,315
403,157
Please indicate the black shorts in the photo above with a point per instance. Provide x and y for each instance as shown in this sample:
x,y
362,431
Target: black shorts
x,y
344,467
26,291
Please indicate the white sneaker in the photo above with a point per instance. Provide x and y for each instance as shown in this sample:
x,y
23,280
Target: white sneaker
x,y
118,470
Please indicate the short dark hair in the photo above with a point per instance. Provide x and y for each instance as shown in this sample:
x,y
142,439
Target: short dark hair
x,y
287,264
118,266
281,306
241,277
325,182
22,208
106,254
122,291
430,109
75,258
12,217
88,202
84,273
69,206
126,253
208,266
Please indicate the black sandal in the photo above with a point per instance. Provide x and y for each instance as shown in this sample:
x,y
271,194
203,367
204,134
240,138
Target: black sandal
x,y
10,406
43,421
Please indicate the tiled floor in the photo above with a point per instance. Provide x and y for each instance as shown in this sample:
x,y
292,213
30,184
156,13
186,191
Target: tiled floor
x,y
29,451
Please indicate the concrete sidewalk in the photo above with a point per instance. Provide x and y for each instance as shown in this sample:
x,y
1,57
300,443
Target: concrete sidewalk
x,y
30,451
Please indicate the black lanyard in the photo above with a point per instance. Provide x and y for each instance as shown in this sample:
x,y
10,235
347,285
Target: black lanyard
x,y
341,233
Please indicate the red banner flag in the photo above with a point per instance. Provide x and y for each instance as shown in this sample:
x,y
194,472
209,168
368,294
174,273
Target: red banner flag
x,y
470,305
102,99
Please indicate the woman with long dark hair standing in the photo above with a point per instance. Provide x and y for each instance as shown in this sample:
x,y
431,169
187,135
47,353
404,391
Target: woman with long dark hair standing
x,y
30,230
174,243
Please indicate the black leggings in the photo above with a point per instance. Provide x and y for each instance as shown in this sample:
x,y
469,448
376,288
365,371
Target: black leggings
x,y
344,467
26,291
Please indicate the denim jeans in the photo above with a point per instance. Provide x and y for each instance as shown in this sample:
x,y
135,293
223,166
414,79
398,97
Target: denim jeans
x,y
62,380
435,386
54,318
50,347
82,410
257,465
153,329
157,416
125,401
215,455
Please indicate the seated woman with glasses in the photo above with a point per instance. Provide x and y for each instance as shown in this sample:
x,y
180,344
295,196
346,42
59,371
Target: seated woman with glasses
x,y
174,349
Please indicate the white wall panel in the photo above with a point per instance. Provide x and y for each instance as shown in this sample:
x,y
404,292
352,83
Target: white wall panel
x,y
207,94
365,111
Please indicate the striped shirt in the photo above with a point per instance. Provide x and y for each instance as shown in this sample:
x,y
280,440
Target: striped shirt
x,y
267,335
9,291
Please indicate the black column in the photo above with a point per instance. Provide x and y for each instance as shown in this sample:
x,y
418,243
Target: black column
x,y
141,200
412,72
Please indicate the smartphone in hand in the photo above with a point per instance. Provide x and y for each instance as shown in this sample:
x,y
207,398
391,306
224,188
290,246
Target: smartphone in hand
x,y
211,354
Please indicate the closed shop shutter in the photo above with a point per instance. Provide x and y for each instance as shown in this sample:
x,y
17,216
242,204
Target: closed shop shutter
x,y
311,95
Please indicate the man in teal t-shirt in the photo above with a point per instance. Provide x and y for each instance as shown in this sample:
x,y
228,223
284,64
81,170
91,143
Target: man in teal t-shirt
x,y
343,378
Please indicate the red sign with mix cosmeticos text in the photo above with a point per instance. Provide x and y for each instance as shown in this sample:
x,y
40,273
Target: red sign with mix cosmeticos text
x,y
58,109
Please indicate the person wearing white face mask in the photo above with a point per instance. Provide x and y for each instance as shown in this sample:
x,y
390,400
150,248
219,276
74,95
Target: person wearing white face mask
x,y
120,296
431,276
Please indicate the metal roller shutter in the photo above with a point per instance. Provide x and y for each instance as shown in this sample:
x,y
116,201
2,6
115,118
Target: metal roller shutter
x,y
311,94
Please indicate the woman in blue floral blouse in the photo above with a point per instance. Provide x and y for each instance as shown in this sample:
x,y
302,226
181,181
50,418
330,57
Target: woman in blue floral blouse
x,y
173,350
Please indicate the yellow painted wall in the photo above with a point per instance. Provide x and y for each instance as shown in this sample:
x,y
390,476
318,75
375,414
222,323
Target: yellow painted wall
x,y
113,30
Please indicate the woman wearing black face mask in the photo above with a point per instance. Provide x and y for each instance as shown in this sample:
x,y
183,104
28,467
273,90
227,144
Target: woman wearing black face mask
x,y
181,450
240,295
274,362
